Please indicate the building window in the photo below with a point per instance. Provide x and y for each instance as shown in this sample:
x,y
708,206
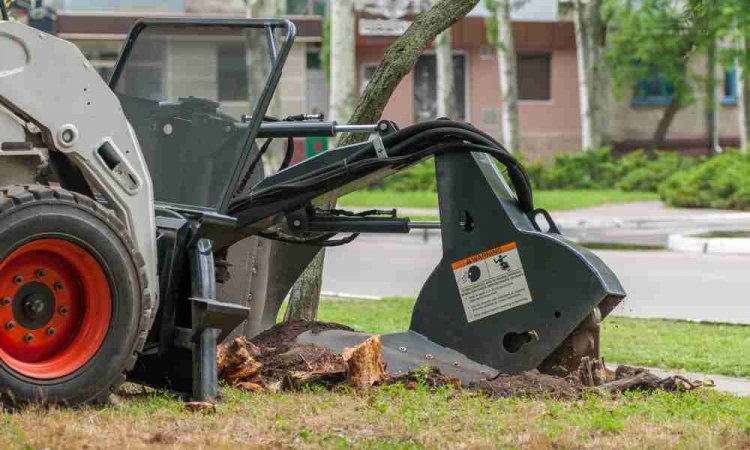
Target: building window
x,y
232,66
730,87
306,7
534,76
425,87
654,90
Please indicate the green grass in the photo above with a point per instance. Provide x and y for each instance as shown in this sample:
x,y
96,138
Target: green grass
x,y
390,417
706,348
551,200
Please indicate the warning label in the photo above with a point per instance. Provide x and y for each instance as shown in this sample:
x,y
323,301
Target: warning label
x,y
491,282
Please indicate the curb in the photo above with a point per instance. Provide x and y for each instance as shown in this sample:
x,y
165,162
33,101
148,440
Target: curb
x,y
690,243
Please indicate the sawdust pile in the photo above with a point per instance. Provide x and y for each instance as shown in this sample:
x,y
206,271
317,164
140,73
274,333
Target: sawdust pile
x,y
274,362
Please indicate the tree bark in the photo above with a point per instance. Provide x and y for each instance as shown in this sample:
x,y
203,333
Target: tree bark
x,y
588,30
400,59
665,123
743,97
446,88
507,62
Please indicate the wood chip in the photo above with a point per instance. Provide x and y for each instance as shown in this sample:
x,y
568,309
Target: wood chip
x,y
364,363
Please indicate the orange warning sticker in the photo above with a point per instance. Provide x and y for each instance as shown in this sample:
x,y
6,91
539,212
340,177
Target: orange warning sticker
x,y
491,282
484,255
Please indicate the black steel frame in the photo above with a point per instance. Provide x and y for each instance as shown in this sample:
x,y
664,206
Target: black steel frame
x,y
278,56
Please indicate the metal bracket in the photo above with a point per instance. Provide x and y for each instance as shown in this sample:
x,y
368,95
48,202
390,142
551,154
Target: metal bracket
x,y
377,142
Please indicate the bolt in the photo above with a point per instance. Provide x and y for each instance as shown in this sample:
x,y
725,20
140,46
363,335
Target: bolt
x,y
63,310
18,279
51,331
5,301
429,357
28,338
40,273
297,223
456,364
58,286
10,325
402,349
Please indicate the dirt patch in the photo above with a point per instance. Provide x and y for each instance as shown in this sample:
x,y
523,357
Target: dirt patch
x,y
274,361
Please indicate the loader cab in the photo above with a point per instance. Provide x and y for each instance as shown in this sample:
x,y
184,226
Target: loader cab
x,y
195,92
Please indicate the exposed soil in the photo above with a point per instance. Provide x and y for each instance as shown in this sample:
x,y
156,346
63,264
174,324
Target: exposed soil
x,y
273,361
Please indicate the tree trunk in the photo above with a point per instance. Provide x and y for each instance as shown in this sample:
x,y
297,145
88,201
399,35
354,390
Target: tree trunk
x,y
343,60
713,98
665,123
304,298
743,98
506,55
446,88
400,59
588,30
584,74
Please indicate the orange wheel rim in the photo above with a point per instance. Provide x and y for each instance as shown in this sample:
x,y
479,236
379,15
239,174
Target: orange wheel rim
x,y
55,308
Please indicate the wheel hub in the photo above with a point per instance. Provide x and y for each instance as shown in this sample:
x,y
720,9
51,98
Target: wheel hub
x,y
33,305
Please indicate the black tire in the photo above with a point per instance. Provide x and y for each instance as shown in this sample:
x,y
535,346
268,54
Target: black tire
x,y
30,213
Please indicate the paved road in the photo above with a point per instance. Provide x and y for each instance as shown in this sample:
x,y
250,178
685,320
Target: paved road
x,y
660,284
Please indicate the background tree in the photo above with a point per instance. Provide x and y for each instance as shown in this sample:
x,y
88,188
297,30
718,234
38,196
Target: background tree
x,y
650,44
500,35
446,86
592,75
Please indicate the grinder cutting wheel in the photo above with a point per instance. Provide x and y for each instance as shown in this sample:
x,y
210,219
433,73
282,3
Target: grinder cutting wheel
x,y
119,195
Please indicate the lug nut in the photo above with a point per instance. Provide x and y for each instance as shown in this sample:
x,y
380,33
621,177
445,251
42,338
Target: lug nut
x,y
63,310
18,279
40,273
10,325
58,286
5,301
51,331
28,338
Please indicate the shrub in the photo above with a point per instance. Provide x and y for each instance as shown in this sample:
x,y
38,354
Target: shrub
x,y
639,173
595,169
719,182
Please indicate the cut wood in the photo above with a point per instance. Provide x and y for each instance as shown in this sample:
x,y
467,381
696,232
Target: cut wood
x,y
364,362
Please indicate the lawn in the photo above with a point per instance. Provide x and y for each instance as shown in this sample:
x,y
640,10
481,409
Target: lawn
x,y
706,348
394,417
551,200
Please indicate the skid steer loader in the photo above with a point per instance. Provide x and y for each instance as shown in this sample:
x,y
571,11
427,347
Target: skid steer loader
x,y
118,197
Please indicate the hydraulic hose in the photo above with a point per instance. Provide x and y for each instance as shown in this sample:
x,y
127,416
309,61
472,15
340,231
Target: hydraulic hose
x,y
405,147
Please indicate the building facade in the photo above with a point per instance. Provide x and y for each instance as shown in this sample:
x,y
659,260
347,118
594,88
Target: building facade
x,y
546,55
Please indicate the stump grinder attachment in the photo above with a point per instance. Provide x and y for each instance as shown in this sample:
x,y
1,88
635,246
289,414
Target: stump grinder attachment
x,y
119,197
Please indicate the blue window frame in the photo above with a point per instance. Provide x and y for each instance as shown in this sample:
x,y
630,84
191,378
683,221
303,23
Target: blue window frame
x,y
730,87
655,90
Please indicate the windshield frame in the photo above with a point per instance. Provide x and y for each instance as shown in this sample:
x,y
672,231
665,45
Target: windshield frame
x,y
277,55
